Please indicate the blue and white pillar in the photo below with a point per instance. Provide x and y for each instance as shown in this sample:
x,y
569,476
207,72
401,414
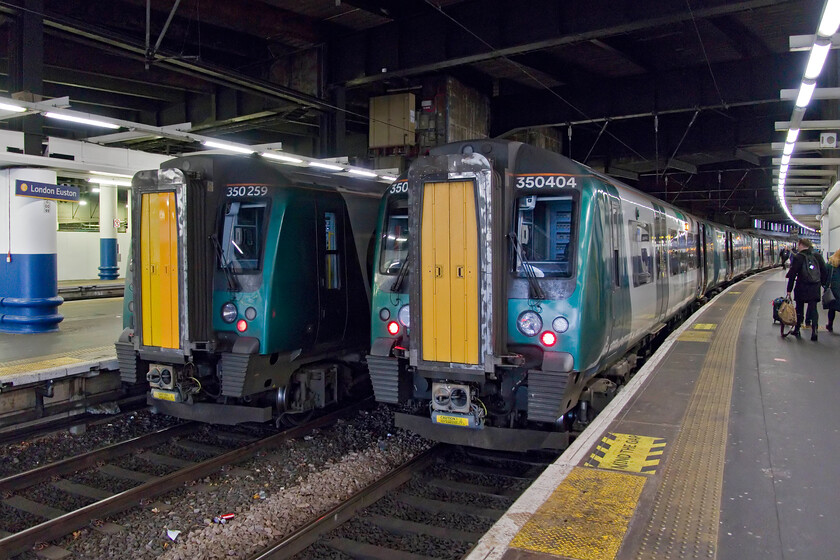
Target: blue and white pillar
x,y
28,264
109,269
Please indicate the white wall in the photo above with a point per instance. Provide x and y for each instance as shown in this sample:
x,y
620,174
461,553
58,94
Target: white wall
x,y
830,223
78,254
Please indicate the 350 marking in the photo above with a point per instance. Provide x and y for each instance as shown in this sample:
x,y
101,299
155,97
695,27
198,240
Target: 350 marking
x,y
247,190
401,187
547,181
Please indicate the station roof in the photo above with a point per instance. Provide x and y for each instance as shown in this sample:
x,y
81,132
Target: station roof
x,y
680,98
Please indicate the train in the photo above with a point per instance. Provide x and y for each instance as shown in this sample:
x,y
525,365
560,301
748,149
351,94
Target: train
x,y
514,291
247,292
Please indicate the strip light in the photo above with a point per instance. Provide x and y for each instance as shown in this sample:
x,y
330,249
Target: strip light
x,y
816,60
830,20
81,120
12,108
280,157
328,166
806,90
362,172
107,174
229,147
112,182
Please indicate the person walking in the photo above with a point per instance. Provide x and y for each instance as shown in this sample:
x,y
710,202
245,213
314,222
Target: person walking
x,y
808,273
833,284
784,254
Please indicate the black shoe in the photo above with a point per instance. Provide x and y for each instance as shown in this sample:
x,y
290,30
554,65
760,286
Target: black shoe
x,y
796,334
814,336
829,328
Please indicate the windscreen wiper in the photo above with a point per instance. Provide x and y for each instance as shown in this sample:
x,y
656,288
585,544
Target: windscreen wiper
x,y
536,291
233,285
401,274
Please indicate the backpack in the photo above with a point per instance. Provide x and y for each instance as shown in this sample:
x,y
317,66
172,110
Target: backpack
x,y
810,272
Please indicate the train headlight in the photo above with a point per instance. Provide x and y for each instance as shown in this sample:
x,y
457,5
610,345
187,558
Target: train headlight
x,y
548,338
560,324
229,313
393,328
404,316
529,323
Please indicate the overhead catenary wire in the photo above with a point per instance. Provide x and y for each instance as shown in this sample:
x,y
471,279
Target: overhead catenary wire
x,y
705,55
524,70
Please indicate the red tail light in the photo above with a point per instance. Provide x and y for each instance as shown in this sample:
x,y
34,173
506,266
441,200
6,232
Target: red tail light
x,y
242,325
548,338
393,328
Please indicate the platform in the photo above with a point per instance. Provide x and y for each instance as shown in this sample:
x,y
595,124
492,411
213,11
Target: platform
x,y
724,445
83,343
72,290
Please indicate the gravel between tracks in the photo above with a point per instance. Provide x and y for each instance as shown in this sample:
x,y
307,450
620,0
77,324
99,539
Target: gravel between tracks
x,y
299,479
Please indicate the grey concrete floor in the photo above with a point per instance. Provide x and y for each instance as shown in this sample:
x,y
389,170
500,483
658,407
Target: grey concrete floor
x,y
87,324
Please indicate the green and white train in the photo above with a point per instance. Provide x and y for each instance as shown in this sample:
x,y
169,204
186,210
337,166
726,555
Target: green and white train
x,y
514,290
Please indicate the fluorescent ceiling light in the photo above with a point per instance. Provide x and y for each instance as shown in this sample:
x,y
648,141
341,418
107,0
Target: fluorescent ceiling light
x,y
280,157
388,177
80,120
329,166
816,60
830,19
94,189
12,108
805,93
785,160
788,149
229,147
113,182
792,135
783,169
362,172
111,174
83,202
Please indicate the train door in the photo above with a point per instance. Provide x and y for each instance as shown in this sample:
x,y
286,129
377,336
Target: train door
x,y
332,289
159,270
703,248
617,308
449,273
660,230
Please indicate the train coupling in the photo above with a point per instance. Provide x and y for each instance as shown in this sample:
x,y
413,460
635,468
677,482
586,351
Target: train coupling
x,y
456,404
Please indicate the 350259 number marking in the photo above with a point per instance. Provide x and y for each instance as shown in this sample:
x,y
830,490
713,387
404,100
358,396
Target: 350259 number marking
x,y
246,190
545,181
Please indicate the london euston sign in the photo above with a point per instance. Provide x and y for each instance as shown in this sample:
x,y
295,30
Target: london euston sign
x,y
46,191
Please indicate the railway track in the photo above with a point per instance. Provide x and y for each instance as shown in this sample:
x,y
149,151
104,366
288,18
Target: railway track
x,y
436,506
52,521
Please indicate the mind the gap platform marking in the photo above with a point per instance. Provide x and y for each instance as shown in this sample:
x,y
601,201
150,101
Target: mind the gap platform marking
x,y
627,453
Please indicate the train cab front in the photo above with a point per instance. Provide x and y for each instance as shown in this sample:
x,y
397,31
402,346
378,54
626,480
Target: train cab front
x,y
494,328
195,277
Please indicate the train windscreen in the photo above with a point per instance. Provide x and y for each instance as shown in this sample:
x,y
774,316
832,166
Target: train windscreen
x,y
394,249
242,236
545,230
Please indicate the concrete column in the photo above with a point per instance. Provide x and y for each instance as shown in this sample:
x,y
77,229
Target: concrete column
x,y
28,263
108,267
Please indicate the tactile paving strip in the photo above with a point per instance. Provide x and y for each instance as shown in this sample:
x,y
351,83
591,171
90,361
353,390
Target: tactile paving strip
x,y
686,510
585,518
57,360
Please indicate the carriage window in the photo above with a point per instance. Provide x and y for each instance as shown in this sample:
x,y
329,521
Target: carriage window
x,y
545,229
641,251
242,233
332,274
394,238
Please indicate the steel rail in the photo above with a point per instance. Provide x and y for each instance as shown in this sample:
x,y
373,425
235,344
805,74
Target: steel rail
x,y
90,459
65,524
309,533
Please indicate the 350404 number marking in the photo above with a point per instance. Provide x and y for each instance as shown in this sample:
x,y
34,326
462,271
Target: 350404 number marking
x,y
247,190
545,181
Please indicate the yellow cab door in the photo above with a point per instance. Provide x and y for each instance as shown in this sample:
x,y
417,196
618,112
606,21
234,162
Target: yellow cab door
x,y
450,278
159,266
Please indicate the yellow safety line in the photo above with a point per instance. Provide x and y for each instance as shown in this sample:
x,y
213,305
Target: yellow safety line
x,y
686,510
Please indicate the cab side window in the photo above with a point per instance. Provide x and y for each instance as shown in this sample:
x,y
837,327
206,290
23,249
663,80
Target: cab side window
x,y
332,270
